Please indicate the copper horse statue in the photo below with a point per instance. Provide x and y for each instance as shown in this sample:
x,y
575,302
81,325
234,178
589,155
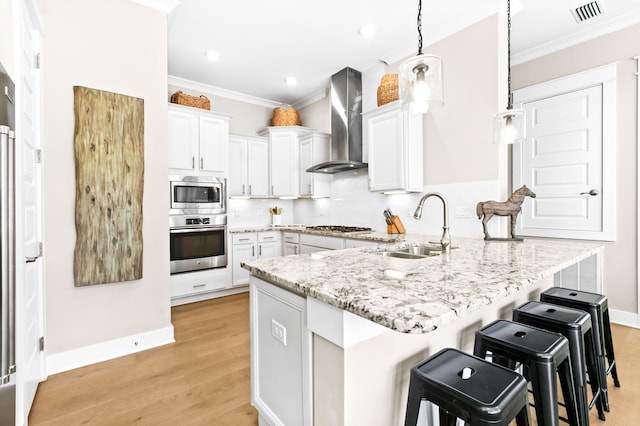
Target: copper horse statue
x,y
511,207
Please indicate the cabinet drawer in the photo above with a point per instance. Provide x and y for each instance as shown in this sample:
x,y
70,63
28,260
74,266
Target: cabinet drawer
x,y
291,237
198,282
244,238
268,237
329,243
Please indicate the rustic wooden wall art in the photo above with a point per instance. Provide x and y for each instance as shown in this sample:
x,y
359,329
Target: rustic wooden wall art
x,y
109,160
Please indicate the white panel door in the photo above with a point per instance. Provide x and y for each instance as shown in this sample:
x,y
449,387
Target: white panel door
x,y
561,161
214,141
29,295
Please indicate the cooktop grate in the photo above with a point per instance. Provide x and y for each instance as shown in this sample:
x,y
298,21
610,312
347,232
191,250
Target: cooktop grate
x,y
338,228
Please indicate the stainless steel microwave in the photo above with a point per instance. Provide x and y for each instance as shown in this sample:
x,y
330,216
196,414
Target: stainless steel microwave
x,y
197,194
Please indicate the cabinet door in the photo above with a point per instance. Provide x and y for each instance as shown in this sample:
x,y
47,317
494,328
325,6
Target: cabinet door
x,y
384,134
269,250
258,167
306,161
284,164
242,253
183,140
237,183
290,248
214,140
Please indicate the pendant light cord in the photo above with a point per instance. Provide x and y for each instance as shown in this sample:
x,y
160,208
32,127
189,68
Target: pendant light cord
x,y
509,102
419,27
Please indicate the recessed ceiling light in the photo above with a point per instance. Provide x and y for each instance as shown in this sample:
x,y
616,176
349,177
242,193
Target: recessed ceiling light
x,y
212,55
367,30
291,80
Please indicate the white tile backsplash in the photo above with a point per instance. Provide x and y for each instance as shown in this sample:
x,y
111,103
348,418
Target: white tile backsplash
x,y
352,204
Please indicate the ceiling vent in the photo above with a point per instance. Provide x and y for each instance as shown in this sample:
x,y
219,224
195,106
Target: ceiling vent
x,y
587,11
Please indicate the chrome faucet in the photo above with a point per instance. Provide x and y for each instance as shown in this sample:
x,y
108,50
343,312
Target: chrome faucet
x,y
445,241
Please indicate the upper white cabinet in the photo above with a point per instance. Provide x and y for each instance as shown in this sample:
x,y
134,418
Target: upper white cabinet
x,y
198,141
249,174
314,149
284,161
394,140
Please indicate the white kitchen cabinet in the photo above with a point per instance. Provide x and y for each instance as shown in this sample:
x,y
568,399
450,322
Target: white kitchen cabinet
x,y
314,243
314,149
198,141
394,139
284,161
249,176
281,356
247,246
269,244
290,243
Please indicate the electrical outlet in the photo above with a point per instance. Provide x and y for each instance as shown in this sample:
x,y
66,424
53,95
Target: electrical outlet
x,y
463,211
279,331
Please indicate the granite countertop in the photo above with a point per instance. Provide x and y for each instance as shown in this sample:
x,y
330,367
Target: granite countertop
x,y
381,237
419,295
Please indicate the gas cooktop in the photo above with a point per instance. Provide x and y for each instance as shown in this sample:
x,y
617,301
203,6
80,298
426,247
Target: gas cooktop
x,y
338,228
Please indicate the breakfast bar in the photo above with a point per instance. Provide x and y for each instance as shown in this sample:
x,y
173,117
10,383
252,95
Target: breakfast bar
x,y
335,333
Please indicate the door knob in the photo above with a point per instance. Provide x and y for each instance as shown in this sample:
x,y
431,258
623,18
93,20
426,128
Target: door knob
x,y
593,193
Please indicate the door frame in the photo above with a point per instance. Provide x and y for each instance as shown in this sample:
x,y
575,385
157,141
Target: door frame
x,y
604,76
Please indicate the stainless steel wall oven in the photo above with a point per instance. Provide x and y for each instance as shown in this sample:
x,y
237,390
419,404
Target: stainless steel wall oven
x,y
197,242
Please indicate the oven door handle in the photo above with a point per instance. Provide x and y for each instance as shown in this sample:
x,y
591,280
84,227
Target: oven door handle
x,y
192,230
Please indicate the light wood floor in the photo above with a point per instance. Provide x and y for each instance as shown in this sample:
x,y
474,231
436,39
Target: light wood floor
x,y
203,379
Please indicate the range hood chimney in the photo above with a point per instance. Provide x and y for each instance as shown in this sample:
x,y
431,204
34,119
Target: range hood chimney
x,y
346,124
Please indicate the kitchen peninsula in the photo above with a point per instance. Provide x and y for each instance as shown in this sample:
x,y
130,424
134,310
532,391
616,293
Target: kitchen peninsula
x,y
335,333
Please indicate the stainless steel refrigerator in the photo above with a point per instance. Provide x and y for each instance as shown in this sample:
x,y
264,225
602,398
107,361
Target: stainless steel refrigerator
x,y
7,249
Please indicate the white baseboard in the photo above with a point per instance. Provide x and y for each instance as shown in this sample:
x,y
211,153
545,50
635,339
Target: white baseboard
x,y
629,319
86,355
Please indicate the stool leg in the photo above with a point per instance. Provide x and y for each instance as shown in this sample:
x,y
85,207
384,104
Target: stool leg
x,y
598,338
447,419
575,412
522,419
592,368
545,394
413,403
608,344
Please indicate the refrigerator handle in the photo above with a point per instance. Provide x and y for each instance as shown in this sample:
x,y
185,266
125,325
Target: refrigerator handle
x,y
7,243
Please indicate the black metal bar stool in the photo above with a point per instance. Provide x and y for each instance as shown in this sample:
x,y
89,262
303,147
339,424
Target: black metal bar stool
x,y
597,306
541,354
469,388
575,325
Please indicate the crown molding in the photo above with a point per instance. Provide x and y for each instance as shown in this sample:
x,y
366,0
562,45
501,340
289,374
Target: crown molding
x,y
588,33
311,98
165,6
218,91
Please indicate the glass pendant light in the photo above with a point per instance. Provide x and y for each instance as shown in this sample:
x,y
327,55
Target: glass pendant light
x,y
509,125
420,78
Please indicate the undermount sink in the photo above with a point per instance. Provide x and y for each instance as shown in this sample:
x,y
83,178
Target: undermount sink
x,y
413,252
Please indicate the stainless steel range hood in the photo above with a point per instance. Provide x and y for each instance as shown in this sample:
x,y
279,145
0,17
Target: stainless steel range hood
x,y
346,124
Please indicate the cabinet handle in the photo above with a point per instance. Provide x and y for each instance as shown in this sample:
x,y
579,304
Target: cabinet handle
x,y
260,250
268,238
201,163
295,249
249,189
243,189
253,250
272,191
244,239
193,162
198,285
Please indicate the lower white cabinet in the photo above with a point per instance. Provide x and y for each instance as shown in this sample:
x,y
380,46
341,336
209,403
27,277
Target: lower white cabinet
x,y
313,243
249,246
281,380
290,243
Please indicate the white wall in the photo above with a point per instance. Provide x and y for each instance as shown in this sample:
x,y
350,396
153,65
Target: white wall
x,y
620,266
117,46
7,37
